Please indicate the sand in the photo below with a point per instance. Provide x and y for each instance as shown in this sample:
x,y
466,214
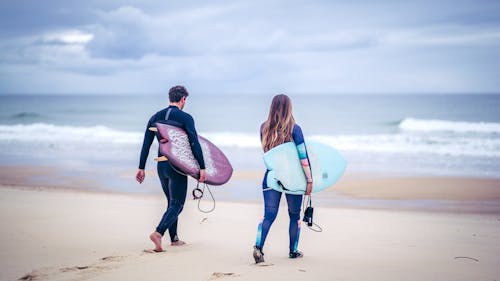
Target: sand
x,y
67,235
433,188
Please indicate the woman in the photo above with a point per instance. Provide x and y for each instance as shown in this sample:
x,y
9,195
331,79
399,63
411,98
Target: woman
x,y
279,128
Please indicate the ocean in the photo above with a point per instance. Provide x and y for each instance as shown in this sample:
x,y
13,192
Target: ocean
x,y
395,135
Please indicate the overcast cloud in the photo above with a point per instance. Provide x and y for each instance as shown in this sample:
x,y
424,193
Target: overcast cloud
x,y
253,47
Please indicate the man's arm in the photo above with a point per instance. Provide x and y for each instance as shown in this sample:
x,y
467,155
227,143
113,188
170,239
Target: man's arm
x,y
146,145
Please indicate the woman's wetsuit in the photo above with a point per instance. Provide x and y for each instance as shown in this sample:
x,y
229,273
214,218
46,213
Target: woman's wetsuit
x,y
272,200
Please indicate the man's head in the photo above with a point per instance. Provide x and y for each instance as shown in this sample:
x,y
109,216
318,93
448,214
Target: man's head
x,y
177,96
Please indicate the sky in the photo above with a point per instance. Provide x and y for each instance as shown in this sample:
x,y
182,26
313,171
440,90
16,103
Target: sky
x,y
250,47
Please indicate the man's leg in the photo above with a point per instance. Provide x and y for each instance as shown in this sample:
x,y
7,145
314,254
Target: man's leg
x,y
177,189
172,230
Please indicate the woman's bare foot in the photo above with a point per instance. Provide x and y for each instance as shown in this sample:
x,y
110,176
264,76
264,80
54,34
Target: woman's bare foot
x,y
156,238
178,243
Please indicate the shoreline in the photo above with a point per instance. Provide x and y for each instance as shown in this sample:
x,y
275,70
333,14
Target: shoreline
x,y
355,184
354,191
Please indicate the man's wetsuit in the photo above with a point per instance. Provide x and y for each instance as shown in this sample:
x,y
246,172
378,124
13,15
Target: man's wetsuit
x,y
174,184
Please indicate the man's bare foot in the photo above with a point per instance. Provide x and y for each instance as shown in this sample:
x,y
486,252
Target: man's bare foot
x,y
178,243
156,238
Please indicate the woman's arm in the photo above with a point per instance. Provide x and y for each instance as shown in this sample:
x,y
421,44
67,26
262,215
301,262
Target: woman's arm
x,y
298,138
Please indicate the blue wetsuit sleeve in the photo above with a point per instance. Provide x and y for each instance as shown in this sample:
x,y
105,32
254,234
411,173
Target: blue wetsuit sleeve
x,y
146,144
193,141
298,139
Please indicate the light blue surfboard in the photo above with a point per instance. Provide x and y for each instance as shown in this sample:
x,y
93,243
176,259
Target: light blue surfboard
x,y
286,173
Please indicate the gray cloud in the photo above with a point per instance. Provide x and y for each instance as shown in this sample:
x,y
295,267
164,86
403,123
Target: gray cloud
x,y
260,46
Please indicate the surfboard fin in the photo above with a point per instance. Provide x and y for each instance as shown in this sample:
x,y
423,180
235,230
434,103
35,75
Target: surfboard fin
x,y
161,159
153,129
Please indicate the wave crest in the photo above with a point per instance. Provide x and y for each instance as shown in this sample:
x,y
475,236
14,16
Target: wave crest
x,y
434,125
42,132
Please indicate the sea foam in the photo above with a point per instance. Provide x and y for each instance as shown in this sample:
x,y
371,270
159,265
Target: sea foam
x,y
431,125
42,132
92,137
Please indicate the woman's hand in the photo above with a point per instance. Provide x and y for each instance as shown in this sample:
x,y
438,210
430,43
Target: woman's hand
x,y
309,188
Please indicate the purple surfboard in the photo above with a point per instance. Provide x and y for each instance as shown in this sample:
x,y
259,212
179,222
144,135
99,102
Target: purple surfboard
x,y
178,151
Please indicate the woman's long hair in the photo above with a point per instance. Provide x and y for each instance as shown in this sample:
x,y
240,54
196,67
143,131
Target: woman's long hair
x,y
279,125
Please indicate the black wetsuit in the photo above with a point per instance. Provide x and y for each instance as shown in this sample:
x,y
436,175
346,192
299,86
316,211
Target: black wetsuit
x,y
174,184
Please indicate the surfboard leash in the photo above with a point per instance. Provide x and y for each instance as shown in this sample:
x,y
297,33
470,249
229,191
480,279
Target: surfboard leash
x,y
198,195
197,192
308,216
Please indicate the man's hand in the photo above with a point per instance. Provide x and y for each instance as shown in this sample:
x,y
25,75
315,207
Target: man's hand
x,y
139,177
309,188
203,176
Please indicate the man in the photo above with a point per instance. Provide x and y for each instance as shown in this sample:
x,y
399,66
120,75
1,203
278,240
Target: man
x,y
173,183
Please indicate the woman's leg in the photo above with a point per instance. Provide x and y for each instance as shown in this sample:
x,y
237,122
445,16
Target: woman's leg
x,y
294,205
271,205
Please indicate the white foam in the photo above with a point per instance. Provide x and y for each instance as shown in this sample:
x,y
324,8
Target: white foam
x,y
382,143
227,139
101,138
412,144
431,125
41,132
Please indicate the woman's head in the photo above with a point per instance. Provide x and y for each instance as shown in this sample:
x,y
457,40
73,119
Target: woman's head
x,y
279,125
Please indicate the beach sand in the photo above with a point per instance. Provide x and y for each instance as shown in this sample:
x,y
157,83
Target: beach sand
x,y
418,188
60,234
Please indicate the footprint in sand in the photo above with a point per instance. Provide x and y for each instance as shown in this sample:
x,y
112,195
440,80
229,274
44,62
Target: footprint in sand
x,y
74,268
104,264
151,251
112,258
263,264
217,275
29,276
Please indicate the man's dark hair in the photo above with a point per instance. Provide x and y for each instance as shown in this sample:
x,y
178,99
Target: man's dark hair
x,y
176,93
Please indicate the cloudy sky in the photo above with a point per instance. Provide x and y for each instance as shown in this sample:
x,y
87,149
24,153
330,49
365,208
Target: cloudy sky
x,y
252,47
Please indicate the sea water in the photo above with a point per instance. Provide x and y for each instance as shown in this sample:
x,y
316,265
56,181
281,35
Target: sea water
x,y
415,135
